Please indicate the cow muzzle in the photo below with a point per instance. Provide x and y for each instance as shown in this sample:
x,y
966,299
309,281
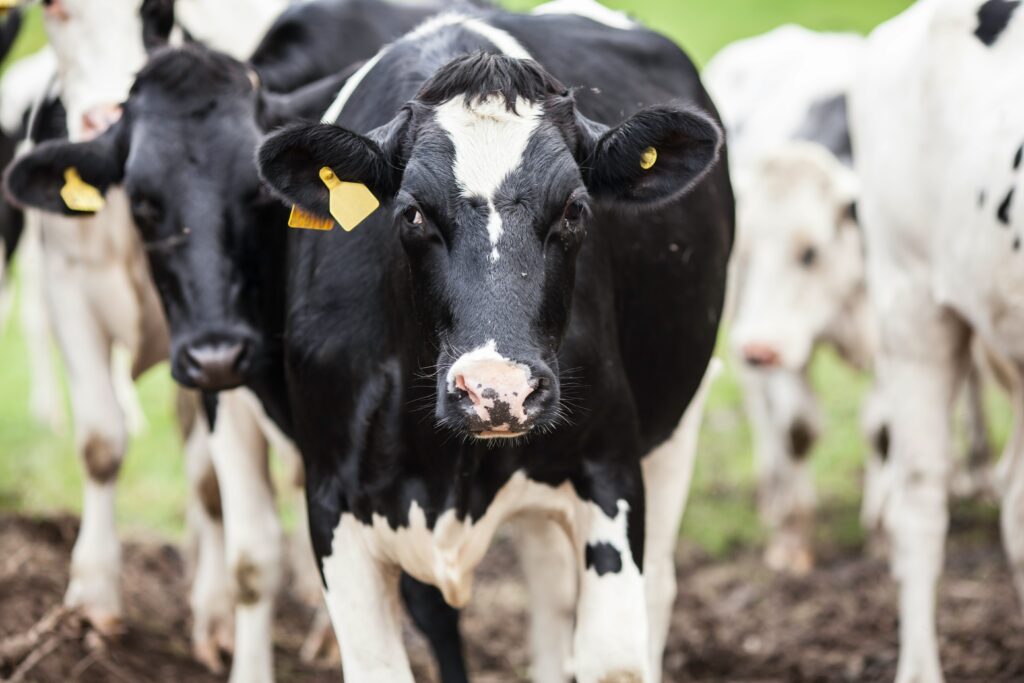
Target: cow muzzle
x,y
214,363
497,397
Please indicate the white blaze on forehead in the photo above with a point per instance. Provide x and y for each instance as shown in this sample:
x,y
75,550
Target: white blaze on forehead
x,y
489,142
591,9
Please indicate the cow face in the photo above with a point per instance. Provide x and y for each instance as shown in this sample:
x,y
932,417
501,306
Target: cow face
x,y
101,45
801,265
184,153
491,178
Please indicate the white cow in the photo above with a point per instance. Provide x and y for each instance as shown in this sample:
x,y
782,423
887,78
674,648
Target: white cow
x,y
938,113
100,295
798,271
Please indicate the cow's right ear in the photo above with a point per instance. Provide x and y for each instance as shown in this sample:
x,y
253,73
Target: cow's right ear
x,y
157,23
292,161
35,180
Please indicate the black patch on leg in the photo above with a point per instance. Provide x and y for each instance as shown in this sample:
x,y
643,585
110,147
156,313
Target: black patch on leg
x,y
881,443
801,438
604,558
981,198
993,18
1003,212
1018,157
210,407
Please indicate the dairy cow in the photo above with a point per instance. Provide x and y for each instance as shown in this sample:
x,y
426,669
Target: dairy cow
x,y
517,328
938,117
183,150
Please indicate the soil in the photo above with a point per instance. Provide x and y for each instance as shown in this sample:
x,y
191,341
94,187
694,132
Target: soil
x,y
734,620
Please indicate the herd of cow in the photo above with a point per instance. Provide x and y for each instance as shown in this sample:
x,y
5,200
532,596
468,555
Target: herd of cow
x,y
517,316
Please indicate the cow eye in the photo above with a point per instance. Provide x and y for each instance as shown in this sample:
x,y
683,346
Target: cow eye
x,y
147,211
574,211
808,257
413,216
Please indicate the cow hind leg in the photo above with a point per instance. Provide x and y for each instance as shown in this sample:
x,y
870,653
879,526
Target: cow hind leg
x,y
549,565
1012,516
668,472
439,622
917,515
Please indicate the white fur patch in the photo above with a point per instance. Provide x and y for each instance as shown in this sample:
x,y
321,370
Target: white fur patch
x,y
489,144
338,105
591,9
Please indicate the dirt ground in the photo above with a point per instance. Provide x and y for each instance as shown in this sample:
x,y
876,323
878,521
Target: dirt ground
x,y
734,621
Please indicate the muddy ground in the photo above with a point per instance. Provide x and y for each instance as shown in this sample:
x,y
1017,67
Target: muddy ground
x,y
734,621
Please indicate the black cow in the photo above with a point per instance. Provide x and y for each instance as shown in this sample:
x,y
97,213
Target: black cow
x,y
184,150
526,234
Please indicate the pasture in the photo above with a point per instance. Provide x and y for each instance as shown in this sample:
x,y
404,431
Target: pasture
x,y
734,621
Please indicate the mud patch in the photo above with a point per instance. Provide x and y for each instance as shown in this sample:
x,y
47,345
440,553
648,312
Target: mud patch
x,y
734,621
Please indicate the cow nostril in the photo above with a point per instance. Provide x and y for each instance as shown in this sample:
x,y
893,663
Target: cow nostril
x,y
760,355
460,384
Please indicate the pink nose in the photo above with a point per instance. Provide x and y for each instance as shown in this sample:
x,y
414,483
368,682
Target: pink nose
x,y
498,390
760,355
96,120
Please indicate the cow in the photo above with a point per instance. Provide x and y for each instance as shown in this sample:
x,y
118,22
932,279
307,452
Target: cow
x,y
100,297
798,280
938,121
517,324
183,150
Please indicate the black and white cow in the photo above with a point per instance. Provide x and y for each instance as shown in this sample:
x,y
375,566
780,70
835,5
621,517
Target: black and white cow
x,y
938,119
518,328
184,152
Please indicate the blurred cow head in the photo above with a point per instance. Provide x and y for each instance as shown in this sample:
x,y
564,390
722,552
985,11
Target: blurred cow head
x,y
801,263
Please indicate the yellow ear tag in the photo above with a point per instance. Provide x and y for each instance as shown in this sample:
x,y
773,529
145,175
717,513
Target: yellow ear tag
x,y
648,158
303,219
80,195
351,203
7,5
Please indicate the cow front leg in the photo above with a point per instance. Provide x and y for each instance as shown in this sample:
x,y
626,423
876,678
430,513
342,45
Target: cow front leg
x,y
361,590
253,533
785,421
611,640
210,596
100,439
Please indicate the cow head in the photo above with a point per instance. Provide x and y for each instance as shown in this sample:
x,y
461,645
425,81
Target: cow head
x,y
184,152
490,178
801,263
100,45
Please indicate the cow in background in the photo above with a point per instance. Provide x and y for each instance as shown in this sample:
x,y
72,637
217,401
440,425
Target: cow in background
x,y
100,297
938,118
798,280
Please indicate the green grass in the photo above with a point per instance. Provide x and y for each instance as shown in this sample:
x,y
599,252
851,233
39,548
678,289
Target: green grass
x,y
39,471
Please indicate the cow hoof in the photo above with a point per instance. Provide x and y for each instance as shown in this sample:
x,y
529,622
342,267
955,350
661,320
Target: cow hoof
x,y
208,654
106,624
786,558
321,647
622,677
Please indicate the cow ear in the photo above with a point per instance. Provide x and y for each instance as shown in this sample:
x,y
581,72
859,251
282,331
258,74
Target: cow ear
x,y
655,156
157,23
35,180
291,161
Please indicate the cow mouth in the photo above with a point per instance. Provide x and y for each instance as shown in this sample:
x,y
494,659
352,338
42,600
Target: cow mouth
x,y
499,434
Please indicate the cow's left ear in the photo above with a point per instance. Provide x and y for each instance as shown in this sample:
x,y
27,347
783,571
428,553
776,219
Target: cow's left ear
x,y
655,156
36,179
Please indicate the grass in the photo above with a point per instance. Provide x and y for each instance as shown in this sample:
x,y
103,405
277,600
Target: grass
x,y
39,472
